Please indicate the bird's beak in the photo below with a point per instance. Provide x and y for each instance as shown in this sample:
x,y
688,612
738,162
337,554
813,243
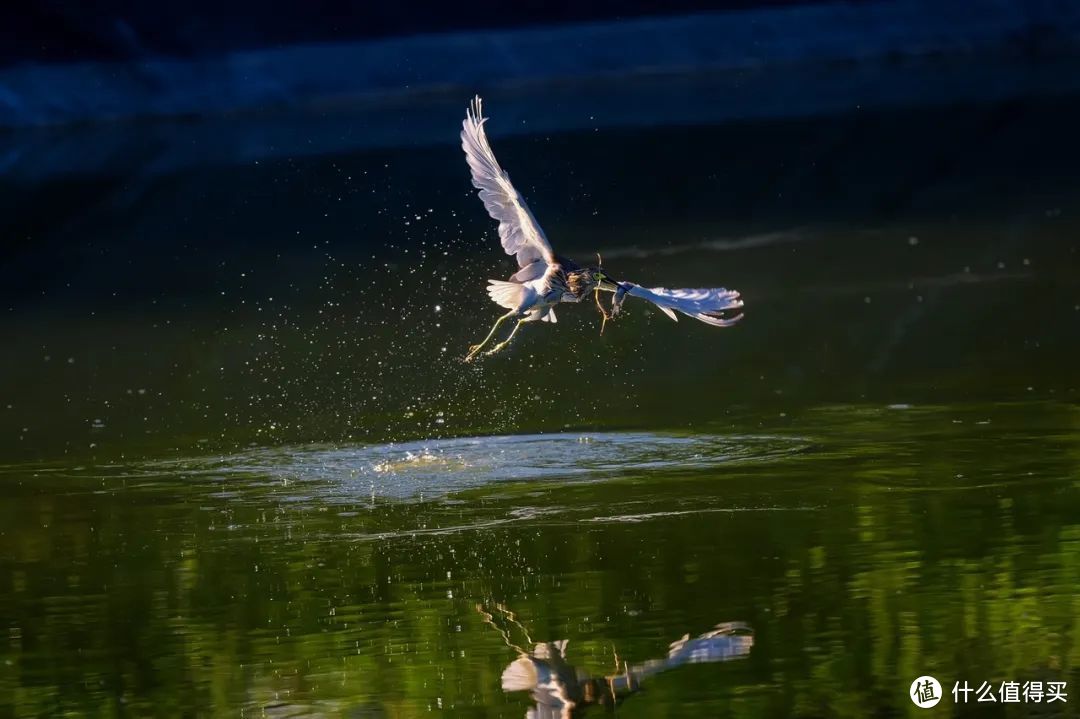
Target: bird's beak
x,y
607,284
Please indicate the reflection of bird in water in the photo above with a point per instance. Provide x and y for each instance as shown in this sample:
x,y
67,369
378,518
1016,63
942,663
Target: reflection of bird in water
x,y
545,279
559,688
556,686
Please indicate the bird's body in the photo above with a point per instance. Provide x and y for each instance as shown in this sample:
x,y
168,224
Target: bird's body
x,y
560,281
544,279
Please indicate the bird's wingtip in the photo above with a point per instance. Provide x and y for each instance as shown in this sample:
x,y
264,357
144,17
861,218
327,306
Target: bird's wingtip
x,y
475,112
722,321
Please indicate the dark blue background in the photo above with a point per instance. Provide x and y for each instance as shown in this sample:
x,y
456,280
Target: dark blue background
x,y
132,29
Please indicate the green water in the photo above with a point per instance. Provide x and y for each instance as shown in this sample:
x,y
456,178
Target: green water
x,y
245,472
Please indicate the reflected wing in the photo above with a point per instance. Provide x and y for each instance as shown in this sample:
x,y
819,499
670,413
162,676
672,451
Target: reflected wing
x,y
518,230
712,306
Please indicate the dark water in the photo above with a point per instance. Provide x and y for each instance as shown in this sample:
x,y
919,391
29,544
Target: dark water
x,y
246,473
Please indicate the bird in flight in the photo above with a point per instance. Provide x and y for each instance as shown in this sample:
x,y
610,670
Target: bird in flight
x,y
544,279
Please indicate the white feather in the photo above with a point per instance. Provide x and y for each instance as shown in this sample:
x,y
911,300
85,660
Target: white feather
x,y
518,230
507,294
705,305
532,271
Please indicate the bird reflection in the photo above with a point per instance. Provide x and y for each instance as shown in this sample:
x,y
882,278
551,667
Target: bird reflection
x,y
560,690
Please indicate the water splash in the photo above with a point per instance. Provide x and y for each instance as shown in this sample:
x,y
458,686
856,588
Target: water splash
x,y
439,467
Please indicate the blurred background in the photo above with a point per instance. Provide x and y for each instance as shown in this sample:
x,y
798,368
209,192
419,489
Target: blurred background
x,y
242,261
230,223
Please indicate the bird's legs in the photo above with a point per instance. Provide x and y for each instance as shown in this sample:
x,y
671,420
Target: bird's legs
x,y
603,312
475,349
506,341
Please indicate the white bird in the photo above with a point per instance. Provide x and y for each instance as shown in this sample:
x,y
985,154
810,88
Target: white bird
x,y
545,279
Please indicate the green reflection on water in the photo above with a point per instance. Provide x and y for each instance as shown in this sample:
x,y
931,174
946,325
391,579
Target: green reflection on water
x,y
894,542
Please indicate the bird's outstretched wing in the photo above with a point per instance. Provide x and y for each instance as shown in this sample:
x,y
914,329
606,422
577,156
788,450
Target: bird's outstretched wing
x,y
713,306
518,229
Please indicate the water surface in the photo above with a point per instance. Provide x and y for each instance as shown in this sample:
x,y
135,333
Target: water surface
x,y
246,473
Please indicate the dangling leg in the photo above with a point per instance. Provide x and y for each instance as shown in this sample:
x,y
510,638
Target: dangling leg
x,y
506,341
603,312
476,348
514,620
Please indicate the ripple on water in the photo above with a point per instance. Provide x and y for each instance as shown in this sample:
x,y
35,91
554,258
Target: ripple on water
x,y
438,467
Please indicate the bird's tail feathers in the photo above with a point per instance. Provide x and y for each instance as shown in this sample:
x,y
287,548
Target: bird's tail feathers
x,y
506,294
519,676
